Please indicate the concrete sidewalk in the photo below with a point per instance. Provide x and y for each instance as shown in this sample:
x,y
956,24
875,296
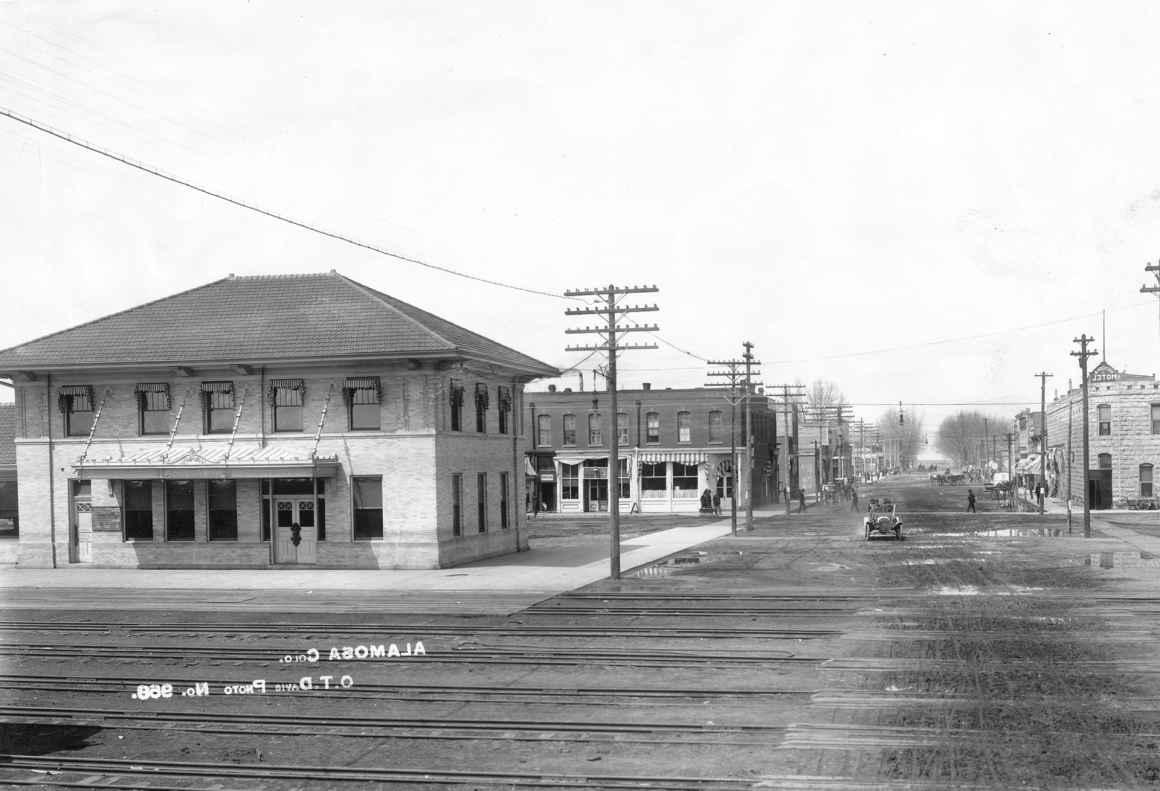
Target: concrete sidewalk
x,y
559,568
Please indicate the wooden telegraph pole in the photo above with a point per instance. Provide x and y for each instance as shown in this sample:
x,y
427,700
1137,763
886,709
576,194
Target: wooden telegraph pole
x,y
1043,434
733,374
606,306
1083,354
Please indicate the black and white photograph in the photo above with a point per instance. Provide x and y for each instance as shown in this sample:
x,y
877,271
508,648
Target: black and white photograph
x,y
668,396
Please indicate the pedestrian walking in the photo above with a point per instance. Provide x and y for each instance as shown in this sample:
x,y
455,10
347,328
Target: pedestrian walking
x,y
716,503
853,499
801,497
1040,492
971,501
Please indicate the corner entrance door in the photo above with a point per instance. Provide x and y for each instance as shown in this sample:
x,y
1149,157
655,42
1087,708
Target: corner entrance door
x,y
294,519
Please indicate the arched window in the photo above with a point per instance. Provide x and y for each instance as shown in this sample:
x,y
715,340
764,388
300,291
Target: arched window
x,y
1145,480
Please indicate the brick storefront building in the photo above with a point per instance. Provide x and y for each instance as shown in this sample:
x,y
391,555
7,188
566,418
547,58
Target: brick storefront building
x,y
268,421
674,444
1124,440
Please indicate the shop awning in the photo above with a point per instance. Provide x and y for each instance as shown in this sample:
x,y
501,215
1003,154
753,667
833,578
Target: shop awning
x,y
1028,465
574,458
681,456
210,463
529,470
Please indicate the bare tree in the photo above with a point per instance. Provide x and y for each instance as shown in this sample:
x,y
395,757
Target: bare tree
x,y
904,439
963,437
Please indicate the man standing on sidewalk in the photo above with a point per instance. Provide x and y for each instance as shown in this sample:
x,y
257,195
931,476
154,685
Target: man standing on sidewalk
x,y
971,501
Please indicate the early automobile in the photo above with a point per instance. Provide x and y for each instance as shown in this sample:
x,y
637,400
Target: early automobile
x,y
882,520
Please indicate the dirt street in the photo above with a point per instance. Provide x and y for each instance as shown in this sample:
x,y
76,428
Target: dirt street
x,y
988,650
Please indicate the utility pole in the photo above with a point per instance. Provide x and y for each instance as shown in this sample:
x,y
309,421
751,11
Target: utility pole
x,y
1010,462
733,374
1083,354
1069,456
749,362
606,306
1043,435
1155,270
786,395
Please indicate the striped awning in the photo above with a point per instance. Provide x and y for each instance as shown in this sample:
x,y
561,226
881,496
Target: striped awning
x,y
680,456
1030,464
217,387
73,390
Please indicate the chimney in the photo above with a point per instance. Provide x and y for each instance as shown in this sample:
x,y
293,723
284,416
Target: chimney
x,y
551,388
646,386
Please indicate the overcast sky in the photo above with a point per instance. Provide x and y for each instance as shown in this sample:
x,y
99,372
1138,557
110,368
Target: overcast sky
x,y
843,184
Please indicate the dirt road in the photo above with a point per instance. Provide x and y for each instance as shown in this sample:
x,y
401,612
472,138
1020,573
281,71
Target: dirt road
x,y
986,650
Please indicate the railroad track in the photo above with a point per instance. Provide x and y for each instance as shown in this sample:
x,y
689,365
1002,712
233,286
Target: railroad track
x,y
423,631
422,692
505,655
78,772
313,725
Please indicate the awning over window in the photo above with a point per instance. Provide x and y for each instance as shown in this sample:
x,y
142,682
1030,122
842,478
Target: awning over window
x,y
74,390
681,456
364,389
217,387
151,387
210,463
1028,465
573,458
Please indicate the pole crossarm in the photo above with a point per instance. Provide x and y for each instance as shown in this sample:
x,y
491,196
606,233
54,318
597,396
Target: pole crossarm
x,y
603,291
608,347
604,330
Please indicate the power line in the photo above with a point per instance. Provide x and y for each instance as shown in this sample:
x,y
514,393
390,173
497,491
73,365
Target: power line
x,y
265,212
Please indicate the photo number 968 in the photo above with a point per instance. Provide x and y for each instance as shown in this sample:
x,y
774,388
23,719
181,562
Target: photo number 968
x,y
153,691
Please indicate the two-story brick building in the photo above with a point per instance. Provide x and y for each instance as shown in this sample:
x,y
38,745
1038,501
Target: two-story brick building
x,y
1123,438
674,444
268,421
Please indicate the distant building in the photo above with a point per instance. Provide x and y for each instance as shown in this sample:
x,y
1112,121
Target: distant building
x,y
1124,440
264,422
674,444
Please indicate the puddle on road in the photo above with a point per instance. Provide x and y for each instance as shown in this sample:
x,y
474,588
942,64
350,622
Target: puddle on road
x,y
974,590
1008,532
1122,560
671,565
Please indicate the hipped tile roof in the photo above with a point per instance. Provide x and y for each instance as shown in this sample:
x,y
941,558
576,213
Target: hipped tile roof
x,y
261,319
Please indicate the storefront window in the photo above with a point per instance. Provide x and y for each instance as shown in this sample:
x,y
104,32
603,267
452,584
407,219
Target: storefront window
x,y
569,481
223,511
684,478
138,510
653,479
368,507
179,510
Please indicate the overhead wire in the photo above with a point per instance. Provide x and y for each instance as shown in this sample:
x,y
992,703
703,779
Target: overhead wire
x,y
266,212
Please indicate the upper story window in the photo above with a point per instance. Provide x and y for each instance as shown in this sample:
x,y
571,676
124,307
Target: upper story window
x,y
364,397
595,432
482,400
1156,418
1104,460
152,408
622,429
1104,417
652,428
455,399
544,431
715,431
218,400
76,404
569,430
286,396
684,427
1145,480
504,396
